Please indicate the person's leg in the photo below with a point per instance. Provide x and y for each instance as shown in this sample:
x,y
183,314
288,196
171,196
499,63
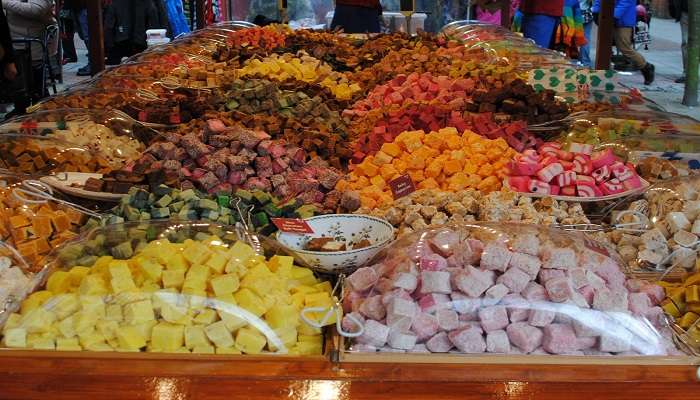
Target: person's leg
x,y
623,41
539,28
585,50
684,41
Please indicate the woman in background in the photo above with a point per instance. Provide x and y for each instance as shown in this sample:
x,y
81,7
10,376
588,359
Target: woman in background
x,y
357,16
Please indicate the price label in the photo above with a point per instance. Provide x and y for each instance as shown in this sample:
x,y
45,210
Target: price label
x,y
292,225
402,186
595,246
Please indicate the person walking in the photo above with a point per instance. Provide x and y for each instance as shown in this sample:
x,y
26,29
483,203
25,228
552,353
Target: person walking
x,y
585,50
540,20
7,52
625,20
679,10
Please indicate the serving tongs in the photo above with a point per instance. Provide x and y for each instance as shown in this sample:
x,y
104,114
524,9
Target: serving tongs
x,y
641,224
557,124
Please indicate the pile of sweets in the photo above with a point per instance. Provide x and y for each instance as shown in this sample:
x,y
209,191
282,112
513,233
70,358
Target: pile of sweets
x,y
195,296
441,159
45,155
266,37
175,204
303,68
683,303
674,211
35,229
576,171
14,284
486,290
432,208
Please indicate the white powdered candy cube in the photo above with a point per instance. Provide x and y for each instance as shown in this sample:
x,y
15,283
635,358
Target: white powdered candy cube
x,y
526,337
439,343
495,294
402,340
406,281
527,263
639,303
559,258
677,221
518,308
497,342
469,340
495,257
435,282
559,339
349,325
376,334
493,318
424,326
583,343
434,301
464,304
445,242
534,292
362,279
447,319
528,244
399,307
420,348
547,274
578,277
594,280
515,279
472,282
615,343
398,322
559,289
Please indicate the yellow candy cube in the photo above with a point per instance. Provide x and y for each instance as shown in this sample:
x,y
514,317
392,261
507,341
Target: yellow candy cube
x,y
195,336
65,344
59,282
217,262
219,335
130,338
205,317
15,338
173,278
138,312
93,285
250,301
225,284
167,337
250,341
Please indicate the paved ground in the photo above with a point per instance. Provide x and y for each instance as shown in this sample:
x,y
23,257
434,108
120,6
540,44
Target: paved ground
x,y
665,53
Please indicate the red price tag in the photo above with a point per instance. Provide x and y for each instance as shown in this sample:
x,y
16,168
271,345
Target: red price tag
x,y
292,225
595,246
402,186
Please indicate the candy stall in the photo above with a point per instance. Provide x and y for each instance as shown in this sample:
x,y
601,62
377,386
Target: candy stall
x,y
256,212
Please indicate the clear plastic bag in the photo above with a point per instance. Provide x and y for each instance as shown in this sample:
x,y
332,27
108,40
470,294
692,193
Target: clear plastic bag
x,y
16,280
504,288
171,287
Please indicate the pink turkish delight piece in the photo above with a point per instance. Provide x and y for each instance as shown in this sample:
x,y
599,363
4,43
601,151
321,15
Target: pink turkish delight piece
x,y
447,319
435,282
495,294
349,325
384,285
469,340
472,282
634,182
565,155
493,318
583,164
520,183
432,262
639,303
539,187
375,334
495,257
400,307
587,292
466,253
566,178
526,337
518,308
420,348
655,292
497,342
559,289
362,279
439,343
523,167
402,340
611,187
400,323
583,343
373,308
406,281
515,279
541,315
424,326
464,304
621,171
568,191
526,263
434,301
559,258
444,242
526,243
578,277
533,291
547,274
602,174
559,339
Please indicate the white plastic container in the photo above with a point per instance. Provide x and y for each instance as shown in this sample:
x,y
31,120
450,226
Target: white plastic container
x,y
418,22
156,42
329,19
152,34
399,24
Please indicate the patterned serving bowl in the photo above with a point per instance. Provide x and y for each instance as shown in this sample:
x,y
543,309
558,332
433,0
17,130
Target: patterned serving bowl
x,y
348,228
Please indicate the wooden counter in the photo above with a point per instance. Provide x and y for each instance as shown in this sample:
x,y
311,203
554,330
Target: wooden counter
x,y
53,375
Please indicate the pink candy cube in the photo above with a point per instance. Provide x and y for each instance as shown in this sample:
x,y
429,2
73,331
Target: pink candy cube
x,y
566,178
424,326
588,191
559,339
362,279
447,319
611,187
375,334
583,164
469,340
373,308
497,342
602,174
406,281
603,157
435,282
472,282
539,187
541,315
493,318
548,173
515,279
520,183
495,257
621,171
526,337
439,343
559,289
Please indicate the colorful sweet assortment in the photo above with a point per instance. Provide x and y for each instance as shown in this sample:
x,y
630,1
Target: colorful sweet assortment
x,y
250,130
198,296
488,290
574,170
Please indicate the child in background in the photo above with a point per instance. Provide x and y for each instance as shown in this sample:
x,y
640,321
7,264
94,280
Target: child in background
x,y
493,16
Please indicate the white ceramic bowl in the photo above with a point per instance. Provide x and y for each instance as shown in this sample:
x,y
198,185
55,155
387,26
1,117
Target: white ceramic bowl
x,y
343,227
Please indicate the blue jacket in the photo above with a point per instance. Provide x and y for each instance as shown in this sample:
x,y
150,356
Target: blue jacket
x,y
625,12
